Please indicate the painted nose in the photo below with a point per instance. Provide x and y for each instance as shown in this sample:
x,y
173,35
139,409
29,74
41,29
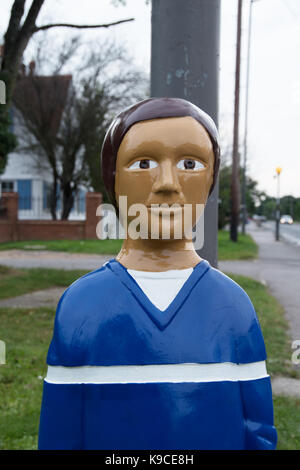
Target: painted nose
x,y
166,180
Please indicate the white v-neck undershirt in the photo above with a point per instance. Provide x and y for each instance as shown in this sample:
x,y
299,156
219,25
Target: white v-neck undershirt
x,y
161,287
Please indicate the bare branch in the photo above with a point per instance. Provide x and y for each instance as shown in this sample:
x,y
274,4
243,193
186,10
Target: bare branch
x,y
17,38
79,26
29,23
17,11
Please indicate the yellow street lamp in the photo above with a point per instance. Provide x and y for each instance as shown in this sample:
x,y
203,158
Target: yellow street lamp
x,y
277,218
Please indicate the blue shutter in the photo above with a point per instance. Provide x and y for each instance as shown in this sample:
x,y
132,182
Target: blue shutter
x,y
24,190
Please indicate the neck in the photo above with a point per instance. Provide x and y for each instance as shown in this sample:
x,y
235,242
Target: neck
x,y
158,255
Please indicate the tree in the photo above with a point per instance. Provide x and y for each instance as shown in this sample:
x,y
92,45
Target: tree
x,y
288,205
64,120
267,207
297,209
19,33
253,195
8,141
16,39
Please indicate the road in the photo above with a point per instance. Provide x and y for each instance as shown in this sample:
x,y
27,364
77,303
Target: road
x,y
289,233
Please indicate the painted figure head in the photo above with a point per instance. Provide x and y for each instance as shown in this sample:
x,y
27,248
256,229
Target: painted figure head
x,y
152,109
161,151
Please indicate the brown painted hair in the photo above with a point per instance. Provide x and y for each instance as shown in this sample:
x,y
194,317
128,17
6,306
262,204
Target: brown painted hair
x,y
152,108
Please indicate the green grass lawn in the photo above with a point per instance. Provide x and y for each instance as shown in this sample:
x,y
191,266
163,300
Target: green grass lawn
x,y
27,333
287,422
245,248
14,282
72,246
273,325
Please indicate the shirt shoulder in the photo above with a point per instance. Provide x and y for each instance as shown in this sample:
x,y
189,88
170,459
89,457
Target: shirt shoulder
x,y
81,307
235,314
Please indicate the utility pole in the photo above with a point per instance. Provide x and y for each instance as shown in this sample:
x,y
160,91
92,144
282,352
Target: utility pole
x,y
244,180
235,177
185,64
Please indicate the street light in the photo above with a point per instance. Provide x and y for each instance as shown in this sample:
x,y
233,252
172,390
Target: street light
x,y
277,218
244,205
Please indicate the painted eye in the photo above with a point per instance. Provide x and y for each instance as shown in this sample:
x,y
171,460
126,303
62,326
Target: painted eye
x,y
143,165
190,164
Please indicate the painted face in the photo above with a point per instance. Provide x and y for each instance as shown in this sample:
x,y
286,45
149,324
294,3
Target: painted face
x,y
165,161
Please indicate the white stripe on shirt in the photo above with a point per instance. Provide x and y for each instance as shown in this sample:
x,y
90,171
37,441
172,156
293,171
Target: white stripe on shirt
x,y
158,373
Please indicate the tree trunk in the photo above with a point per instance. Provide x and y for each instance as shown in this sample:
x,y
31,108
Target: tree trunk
x,y
68,200
16,39
53,198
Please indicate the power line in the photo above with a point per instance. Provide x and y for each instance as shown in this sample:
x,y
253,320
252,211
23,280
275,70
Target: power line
x,y
290,9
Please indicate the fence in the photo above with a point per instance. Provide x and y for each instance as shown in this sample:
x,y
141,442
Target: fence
x,y
31,207
15,228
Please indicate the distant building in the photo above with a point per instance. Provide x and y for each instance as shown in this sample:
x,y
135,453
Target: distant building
x,y
23,173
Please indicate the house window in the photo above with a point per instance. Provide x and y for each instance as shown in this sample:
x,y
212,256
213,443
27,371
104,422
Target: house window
x,y
24,190
46,195
47,188
81,204
7,186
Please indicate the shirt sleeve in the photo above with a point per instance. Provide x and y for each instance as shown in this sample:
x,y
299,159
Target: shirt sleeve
x,y
260,432
61,417
256,395
62,404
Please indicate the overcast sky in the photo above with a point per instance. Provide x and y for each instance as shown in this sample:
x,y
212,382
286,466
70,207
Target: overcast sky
x,y
274,94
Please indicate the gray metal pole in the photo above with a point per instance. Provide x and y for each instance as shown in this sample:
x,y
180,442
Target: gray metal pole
x,y
235,176
185,64
277,222
244,185
246,121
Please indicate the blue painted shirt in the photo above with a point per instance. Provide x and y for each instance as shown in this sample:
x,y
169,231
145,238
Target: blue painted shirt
x,y
203,384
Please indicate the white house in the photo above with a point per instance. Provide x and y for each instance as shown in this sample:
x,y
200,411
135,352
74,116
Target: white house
x,y
32,181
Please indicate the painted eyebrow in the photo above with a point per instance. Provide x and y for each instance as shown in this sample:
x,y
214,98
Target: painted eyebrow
x,y
194,150
153,150
144,152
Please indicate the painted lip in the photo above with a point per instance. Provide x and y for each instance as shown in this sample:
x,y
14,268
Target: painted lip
x,y
165,210
159,204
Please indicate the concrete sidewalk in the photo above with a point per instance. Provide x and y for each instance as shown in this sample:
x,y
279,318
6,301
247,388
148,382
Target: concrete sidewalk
x,y
46,259
40,298
52,259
